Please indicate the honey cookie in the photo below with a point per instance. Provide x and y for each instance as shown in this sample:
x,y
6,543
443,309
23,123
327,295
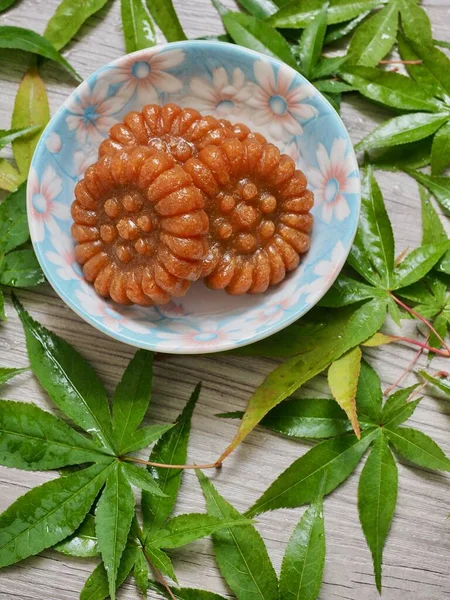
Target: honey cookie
x,y
140,227
258,207
182,132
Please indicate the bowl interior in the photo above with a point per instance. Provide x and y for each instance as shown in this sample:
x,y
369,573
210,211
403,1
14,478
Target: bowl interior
x,y
233,83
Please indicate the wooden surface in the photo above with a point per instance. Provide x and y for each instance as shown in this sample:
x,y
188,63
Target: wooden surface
x,y
417,555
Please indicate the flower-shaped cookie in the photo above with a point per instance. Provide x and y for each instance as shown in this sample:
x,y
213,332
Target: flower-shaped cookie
x,y
181,132
258,207
140,227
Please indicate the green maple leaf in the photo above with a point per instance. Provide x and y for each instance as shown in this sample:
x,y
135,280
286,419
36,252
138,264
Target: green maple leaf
x,y
241,554
433,229
431,299
422,98
18,264
340,452
373,258
439,186
375,38
33,439
430,296
171,448
7,373
90,511
18,38
304,559
67,20
147,547
244,562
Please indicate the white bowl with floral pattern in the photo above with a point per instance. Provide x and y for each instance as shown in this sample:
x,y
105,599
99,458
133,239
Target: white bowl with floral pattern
x,y
230,82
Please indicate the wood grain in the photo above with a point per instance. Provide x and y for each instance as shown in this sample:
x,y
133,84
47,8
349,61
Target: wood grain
x,y
417,555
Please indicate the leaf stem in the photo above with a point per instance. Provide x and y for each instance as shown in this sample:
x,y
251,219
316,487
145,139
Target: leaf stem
x,y
223,456
159,576
400,338
440,374
392,61
139,534
417,391
436,374
401,256
164,466
400,62
407,370
418,316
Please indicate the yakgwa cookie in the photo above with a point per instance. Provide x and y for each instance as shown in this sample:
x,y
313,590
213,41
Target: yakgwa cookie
x,y
140,227
259,211
182,132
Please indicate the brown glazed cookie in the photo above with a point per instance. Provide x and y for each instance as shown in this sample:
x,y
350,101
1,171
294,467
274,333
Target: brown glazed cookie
x,y
182,132
140,227
258,207
242,132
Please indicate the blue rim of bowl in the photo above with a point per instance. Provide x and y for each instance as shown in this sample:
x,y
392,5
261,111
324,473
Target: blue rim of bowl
x,y
226,346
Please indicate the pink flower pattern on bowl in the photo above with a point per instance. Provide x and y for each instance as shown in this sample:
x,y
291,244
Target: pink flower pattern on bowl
x,y
222,96
44,207
206,334
148,76
84,159
63,256
326,272
54,143
274,310
115,317
92,112
277,103
333,179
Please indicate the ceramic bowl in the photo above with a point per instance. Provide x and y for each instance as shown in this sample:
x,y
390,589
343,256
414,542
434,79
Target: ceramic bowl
x,y
230,82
